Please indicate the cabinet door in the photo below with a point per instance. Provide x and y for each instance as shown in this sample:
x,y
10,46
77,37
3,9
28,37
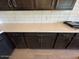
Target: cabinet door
x,y
74,43
65,4
62,40
32,41
5,5
23,4
44,4
18,39
47,40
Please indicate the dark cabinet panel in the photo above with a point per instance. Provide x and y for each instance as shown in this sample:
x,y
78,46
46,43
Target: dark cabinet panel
x,y
18,39
23,4
62,40
40,40
44,40
74,43
44,4
65,4
32,41
47,40
4,5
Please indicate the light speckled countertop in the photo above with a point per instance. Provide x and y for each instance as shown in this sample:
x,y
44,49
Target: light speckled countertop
x,y
36,27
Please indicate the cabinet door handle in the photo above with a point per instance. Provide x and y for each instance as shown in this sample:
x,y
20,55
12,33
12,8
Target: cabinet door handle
x,y
9,3
14,3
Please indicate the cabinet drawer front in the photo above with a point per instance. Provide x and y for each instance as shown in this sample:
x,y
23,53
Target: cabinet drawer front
x,y
74,43
14,34
30,34
62,40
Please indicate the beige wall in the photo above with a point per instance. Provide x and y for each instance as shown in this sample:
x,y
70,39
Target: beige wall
x,y
39,16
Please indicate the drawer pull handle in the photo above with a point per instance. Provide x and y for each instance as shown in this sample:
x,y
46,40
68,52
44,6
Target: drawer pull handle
x,y
9,3
14,3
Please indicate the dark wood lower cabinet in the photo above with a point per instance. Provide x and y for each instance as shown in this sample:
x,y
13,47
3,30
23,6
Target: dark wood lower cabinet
x,y
32,41
45,40
62,40
40,40
74,43
18,39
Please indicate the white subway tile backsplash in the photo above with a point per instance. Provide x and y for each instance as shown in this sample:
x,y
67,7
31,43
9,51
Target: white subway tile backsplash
x,y
40,16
